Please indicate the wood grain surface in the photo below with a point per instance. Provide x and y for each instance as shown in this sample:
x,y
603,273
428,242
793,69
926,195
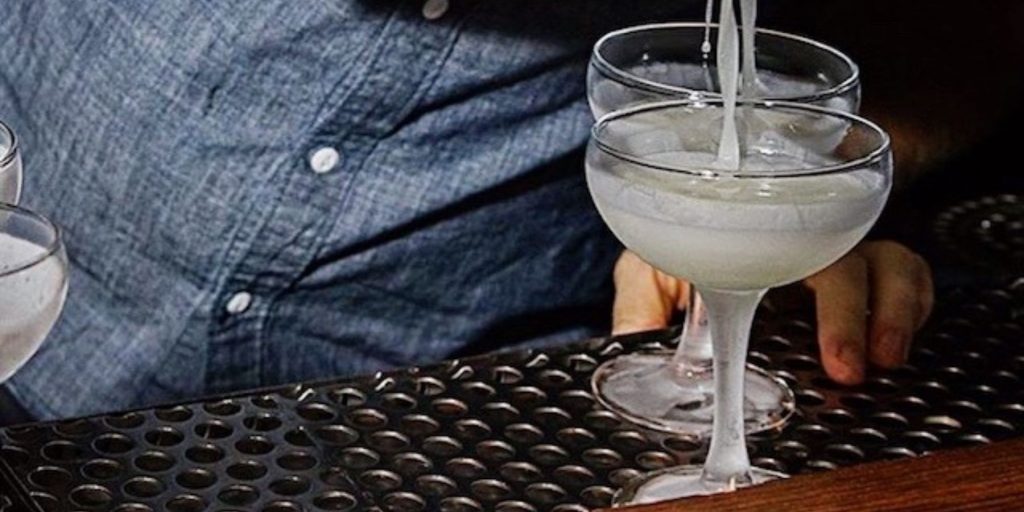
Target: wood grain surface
x,y
987,478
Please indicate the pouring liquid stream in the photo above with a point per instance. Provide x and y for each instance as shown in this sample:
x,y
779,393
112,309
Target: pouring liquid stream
x,y
728,462
733,85
728,70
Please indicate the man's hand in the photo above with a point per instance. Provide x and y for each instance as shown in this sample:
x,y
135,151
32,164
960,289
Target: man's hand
x,y
869,304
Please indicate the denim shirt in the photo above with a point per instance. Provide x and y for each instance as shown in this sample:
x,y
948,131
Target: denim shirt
x,y
257,192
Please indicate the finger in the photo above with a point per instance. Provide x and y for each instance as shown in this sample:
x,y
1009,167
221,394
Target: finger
x,y
841,296
644,298
685,294
926,291
895,302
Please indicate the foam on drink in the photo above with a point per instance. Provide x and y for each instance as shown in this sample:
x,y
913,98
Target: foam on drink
x,y
737,234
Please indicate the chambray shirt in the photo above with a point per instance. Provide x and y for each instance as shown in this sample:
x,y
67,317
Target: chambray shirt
x,y
256,192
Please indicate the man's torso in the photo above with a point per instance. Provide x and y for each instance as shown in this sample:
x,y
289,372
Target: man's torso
x,y
260,192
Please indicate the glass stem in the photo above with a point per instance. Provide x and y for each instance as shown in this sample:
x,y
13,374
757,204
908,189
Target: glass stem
x,y
693,354
731,315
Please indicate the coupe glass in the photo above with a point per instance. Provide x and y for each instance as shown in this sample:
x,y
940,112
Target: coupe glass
x,y
811,184
649,63
659,62
33,284
10,166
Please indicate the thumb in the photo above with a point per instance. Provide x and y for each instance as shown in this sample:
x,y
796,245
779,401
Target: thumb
x,y
645,299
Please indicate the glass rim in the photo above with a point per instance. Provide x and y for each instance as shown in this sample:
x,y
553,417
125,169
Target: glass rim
x,y
884,146
51,248
8,156
629,79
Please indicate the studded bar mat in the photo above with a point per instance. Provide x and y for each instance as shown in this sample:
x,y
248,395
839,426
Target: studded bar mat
x,y
518,431
985,232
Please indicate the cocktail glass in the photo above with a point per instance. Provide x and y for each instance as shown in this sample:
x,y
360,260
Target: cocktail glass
x,y
673,392
812,182
33,284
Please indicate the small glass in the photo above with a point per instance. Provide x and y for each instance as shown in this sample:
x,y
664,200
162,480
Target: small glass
x,y
10,166
658,62
33,284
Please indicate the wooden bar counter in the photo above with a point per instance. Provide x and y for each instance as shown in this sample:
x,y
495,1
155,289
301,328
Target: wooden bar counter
x,y
987,478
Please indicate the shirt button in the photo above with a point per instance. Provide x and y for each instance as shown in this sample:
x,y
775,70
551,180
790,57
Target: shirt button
x,y
324,160
239,302
434,9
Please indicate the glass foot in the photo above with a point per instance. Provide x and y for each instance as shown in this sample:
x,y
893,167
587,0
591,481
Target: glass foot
x,y
682,482
651,391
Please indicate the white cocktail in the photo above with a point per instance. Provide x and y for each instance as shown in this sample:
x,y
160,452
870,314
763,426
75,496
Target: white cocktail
x,y
33,284
811,183
737,234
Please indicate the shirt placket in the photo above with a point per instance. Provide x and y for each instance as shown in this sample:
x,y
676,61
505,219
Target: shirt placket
x,y
313,185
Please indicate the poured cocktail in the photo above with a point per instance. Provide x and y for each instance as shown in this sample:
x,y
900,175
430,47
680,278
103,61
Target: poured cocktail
x,y
810,183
